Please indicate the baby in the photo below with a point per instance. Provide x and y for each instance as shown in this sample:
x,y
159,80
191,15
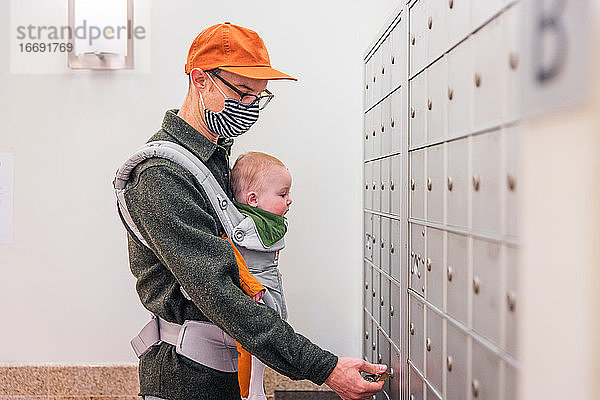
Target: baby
x,y
261,187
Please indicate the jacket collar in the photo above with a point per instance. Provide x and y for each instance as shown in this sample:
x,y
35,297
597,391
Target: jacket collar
x,y
190,138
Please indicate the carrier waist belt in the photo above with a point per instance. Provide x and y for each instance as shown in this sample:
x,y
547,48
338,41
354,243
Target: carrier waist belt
x,y
200,341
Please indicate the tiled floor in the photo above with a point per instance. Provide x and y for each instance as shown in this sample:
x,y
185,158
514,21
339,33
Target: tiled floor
x,y
70,398
77,382
101,382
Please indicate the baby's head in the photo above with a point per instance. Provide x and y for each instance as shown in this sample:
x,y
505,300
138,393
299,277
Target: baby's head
x,y
260,180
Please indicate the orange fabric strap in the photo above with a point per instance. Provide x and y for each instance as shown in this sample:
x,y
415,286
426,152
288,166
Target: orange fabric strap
x,y
244,370
250,285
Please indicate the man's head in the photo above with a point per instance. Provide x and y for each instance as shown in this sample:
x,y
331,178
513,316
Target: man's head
x,y
228,68
233,49
262,181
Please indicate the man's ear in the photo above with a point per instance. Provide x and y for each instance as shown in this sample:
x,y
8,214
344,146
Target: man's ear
x,y
198,78
252,199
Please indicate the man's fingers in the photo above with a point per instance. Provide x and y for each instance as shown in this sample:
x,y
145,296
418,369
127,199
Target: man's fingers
x,y
371,388
372,368
346,380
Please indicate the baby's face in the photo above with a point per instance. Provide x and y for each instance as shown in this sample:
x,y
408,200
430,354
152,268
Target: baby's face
x,y
274,196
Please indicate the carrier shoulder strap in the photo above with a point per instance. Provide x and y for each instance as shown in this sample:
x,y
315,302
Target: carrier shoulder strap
x,y
240,228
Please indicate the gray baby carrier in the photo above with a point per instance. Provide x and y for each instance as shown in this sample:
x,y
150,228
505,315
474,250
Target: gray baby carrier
x,y
202,341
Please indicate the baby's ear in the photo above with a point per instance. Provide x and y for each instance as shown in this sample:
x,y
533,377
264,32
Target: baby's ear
x,y
252,199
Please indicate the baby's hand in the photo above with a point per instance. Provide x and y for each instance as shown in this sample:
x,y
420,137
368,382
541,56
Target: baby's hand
x,y
258,296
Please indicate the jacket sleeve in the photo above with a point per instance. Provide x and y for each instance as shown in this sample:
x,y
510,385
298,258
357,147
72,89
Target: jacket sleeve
x,y
167,208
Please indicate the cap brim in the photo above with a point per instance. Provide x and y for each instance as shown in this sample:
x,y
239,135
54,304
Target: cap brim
x,y
258,72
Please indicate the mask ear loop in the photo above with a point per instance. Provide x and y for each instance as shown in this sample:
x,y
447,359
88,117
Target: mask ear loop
x,y
201,100
214,83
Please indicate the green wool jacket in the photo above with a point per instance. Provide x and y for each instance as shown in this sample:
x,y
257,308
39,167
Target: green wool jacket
x,y
174,216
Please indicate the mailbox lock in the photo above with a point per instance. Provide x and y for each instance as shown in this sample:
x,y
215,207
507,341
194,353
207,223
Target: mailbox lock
x,y
379,358
373,132
412,328
392,248
412,184
430,22
382,185
511,181
366,285
476,182
412,112
382,70
412,39
422,287
428,344
429,104
477,79
392,311
374,184
450,273
367,136
511,300
391,373
381,301
476,285
392,122
367,184
449,363
429,184
373,238
475,387
450,183
382,243
373,345
513,60
391,185
382,128
428,264
392,60
373,292
451,3
367,86
366,335
374,78
423,233
450,93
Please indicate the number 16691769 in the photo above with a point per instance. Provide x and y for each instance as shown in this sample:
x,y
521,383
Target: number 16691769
x,y
49,47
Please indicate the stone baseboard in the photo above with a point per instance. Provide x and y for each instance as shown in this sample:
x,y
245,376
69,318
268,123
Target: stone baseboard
x,y
275,381
305,395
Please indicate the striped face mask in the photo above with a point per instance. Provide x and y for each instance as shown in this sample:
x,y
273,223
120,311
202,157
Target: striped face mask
x,y
233,120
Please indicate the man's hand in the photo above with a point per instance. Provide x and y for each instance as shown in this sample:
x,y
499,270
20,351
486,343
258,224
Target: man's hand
x,y
347,382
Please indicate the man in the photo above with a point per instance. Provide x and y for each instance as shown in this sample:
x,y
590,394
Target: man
x,y
185,270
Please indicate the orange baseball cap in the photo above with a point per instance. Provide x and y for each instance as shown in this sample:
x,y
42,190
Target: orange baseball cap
x,y
234,49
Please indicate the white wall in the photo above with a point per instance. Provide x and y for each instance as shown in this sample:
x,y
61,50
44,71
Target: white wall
x,y
66,294
560,252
